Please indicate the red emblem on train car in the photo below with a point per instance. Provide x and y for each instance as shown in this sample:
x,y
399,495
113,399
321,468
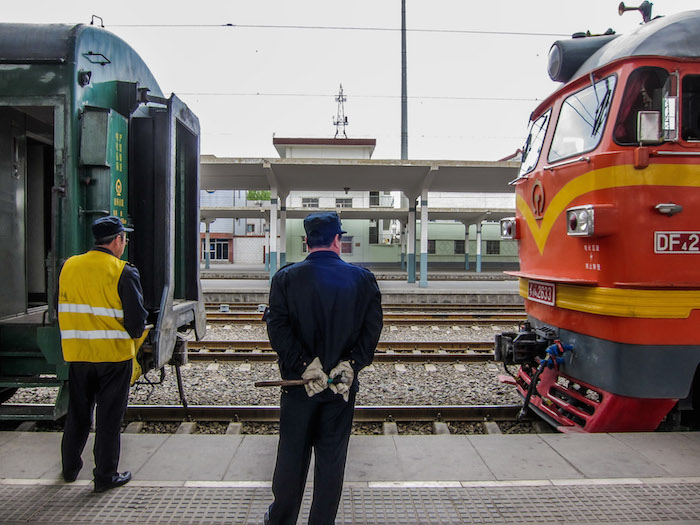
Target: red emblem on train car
x,y
538,199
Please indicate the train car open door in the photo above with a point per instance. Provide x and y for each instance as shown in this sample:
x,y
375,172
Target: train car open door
x,y
165,207
13,294
30,350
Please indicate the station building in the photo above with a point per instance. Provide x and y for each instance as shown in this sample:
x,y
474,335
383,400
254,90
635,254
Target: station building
x,y
377,200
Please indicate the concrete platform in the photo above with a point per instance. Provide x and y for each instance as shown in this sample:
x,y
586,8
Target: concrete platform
x,y
548,478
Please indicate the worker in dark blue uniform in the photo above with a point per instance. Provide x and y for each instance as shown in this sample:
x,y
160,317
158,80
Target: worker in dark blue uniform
x,y
101,315
324,322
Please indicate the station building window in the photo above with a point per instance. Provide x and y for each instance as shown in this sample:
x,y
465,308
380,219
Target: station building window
x,y
346,244
459,247
250,228
373,231
218,249
309,202
343,203
493,247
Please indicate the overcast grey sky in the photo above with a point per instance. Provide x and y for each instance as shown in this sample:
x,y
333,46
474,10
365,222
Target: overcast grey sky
x,y
475,69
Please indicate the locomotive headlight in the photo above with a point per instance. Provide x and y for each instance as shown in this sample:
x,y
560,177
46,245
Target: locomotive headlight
x,y
580,221
591,220
509,228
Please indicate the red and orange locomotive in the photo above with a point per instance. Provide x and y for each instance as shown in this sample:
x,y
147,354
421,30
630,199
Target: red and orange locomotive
x,y
608,224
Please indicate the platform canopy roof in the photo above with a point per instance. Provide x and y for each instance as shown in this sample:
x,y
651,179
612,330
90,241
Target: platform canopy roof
x,y
409,176
465,215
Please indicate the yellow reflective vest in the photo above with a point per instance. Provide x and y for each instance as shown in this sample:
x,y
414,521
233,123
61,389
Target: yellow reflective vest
x,y
90,313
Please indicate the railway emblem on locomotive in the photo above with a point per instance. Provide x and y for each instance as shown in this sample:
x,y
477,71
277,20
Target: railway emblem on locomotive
x,y
538,199
118,187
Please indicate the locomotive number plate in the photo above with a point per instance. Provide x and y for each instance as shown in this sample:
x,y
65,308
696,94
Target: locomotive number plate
x,y
541,292
677,242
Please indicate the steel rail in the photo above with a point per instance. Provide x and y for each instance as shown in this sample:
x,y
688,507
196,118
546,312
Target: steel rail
x,y
404,357
382,346
395,306
404,319
387,351
368,413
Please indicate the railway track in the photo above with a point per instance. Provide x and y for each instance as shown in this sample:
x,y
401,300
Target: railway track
x,y
387,351
445,307
404,318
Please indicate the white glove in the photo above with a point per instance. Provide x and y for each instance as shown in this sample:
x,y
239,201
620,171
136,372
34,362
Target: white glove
x,y
347,374
318,378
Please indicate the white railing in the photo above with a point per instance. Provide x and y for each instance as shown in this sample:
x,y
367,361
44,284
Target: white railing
x,y
381,201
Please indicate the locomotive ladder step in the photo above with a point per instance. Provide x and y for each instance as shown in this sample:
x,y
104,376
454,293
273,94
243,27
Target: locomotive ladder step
x,y
22,354
26,412
24,382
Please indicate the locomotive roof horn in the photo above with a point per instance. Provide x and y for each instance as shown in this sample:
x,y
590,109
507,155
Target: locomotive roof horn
x,y
644,9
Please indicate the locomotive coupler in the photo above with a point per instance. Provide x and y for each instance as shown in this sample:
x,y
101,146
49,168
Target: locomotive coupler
x,y
554,357
524,346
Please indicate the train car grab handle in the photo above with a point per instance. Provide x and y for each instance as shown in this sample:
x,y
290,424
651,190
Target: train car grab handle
x,y
567,162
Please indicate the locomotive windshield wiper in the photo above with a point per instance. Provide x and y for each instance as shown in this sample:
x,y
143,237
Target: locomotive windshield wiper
x,y
601,109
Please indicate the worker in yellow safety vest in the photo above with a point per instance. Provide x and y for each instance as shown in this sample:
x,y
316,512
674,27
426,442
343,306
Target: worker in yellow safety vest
x,y
100,314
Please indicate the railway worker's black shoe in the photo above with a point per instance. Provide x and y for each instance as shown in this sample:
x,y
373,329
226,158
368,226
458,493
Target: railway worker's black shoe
x,y
118,481
69,478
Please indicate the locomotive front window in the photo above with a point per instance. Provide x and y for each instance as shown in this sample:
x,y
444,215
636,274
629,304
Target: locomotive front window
x,y
644,92
690,108
582,119
533,144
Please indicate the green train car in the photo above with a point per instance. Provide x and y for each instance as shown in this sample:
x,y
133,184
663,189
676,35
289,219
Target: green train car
x,y
85,132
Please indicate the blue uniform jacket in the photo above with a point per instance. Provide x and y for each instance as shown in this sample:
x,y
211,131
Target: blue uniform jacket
x,y
324,307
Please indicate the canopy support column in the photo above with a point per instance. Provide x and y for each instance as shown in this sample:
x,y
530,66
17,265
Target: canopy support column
x,y
424,239
411,240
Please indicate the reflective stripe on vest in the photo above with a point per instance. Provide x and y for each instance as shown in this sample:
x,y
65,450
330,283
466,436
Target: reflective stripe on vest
x,y
87,309
90,312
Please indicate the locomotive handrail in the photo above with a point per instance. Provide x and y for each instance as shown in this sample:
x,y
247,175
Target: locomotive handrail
x,y
566,163
676,153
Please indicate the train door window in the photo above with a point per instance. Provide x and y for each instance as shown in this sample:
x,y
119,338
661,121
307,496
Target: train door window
x,y
304,246
431,246
459,247
582,120
690,108
533,143
644,92
493,247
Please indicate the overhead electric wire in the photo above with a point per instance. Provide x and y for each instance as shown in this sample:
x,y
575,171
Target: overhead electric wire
x,y
342,28
322,95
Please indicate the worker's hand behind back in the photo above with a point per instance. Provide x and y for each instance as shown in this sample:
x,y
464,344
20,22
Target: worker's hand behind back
x,y
347,374
318,378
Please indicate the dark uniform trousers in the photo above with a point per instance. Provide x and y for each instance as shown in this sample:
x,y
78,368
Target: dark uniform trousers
x,y
107,385
323,422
